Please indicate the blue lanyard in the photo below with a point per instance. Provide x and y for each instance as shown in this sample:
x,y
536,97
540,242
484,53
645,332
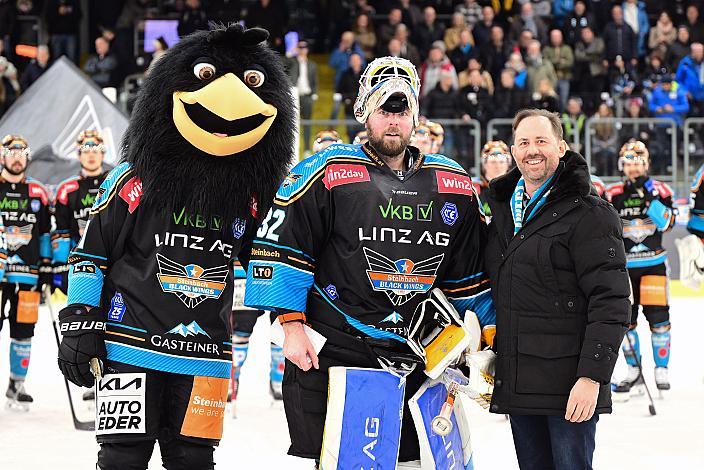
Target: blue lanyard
x,y
517,209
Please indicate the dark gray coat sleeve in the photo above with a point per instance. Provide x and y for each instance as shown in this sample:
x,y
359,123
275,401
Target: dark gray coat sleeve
x,y
597,251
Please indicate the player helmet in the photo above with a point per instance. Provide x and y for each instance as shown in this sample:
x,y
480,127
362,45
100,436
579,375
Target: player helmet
x,y
496,149
633,151
90,140
325,138
16,143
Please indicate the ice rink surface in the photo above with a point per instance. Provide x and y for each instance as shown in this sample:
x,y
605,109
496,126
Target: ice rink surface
x,y
630,438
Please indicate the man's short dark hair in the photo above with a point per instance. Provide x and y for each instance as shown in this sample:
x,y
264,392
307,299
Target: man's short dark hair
x,y
554,119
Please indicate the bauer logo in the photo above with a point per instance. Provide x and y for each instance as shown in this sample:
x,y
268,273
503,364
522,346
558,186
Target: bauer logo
x,y
120,404
262,272
337,175
453,183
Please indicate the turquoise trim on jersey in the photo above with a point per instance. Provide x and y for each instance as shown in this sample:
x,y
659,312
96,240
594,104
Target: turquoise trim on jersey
x,y
21,278
86,285
646,262
110,183
364,328
84,254
119,325
312,166
482,304
139,357
660,214
283,247
696,220
63,248
45,245
240,273
286,287
437,159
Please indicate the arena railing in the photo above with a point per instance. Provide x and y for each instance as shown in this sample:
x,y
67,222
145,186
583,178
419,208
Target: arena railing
x,y
693,142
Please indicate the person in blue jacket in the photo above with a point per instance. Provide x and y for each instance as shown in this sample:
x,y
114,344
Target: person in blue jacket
x,y
690,75
669,100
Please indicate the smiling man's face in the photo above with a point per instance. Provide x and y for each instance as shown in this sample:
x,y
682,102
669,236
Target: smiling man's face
x,y
536,149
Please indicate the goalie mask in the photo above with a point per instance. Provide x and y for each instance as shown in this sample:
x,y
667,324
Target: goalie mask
x,y
384,77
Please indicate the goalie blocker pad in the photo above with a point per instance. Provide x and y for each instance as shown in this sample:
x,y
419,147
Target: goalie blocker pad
x,y
363,420
451,451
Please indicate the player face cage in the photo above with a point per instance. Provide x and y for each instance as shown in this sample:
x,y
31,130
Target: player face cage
x,y
382,78
90,140
15,144
496,150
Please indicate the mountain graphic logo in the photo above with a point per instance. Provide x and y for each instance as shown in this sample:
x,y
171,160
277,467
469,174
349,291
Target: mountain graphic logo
x,y
395,317
192,329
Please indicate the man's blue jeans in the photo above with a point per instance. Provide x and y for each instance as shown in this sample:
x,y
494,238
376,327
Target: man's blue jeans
x,y
551,442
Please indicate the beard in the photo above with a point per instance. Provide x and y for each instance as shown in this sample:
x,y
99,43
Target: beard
x,y
387,148
13,171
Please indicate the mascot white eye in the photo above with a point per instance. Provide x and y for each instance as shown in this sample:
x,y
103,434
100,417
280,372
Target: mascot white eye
x,y
254,78
204,71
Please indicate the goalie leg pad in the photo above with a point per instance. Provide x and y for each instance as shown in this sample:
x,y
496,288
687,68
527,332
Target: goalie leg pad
x,y
363,420
451,451
691,254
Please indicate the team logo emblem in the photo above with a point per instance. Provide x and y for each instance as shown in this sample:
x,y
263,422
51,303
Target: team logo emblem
x,y
402,279
449,213
36,205
638,229
191,283
192,329
238,228
17,237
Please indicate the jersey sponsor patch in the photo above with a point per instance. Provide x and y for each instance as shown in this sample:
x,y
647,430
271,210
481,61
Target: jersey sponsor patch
x,y
449,213
452,183
339,174
206,408
117,308
120,402
131,193
35,205
402,279
331,290
191,283
638,229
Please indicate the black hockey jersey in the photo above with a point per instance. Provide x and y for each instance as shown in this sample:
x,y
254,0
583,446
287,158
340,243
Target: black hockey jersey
x,y
25,213
165,279
74,199
352,245
696,211
646,213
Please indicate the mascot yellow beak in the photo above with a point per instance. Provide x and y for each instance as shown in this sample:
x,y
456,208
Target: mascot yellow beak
x,y
222,118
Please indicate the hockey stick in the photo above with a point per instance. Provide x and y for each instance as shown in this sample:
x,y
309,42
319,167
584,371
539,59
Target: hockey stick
x,y
78,424
651,408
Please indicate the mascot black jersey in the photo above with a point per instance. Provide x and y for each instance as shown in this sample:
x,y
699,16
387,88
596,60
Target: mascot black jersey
x,y
25,213
142,261
351,244
74,199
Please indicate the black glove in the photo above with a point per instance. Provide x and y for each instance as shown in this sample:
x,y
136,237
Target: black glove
x,y
646,184
83,339
60,278
46,274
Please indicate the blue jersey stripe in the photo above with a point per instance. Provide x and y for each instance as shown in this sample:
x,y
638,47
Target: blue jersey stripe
x,y
139,357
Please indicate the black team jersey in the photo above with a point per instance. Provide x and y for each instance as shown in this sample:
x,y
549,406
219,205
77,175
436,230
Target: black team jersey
x,y
164,278
351,244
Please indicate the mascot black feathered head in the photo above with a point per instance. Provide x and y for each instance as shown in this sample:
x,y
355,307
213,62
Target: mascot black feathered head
x,y
213,126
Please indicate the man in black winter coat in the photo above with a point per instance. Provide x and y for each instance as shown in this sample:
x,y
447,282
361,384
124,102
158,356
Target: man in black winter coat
x,y
557,266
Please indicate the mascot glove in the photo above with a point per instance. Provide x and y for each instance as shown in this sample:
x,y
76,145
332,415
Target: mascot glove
x,y
481,376
83,339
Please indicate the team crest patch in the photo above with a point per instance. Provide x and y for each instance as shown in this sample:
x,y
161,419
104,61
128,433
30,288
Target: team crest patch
x,y
191,283
17,237
402,279
36,205
331,291
449,213
238,228
638,229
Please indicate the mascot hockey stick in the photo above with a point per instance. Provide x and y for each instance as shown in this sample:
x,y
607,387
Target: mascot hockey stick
x,y
651,408
78,424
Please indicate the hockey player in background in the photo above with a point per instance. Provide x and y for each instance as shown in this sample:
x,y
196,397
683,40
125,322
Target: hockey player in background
x,y
25,213
74,198
243,320
421,139
151,284
495,161
691,247
324,139
355,240
645,207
